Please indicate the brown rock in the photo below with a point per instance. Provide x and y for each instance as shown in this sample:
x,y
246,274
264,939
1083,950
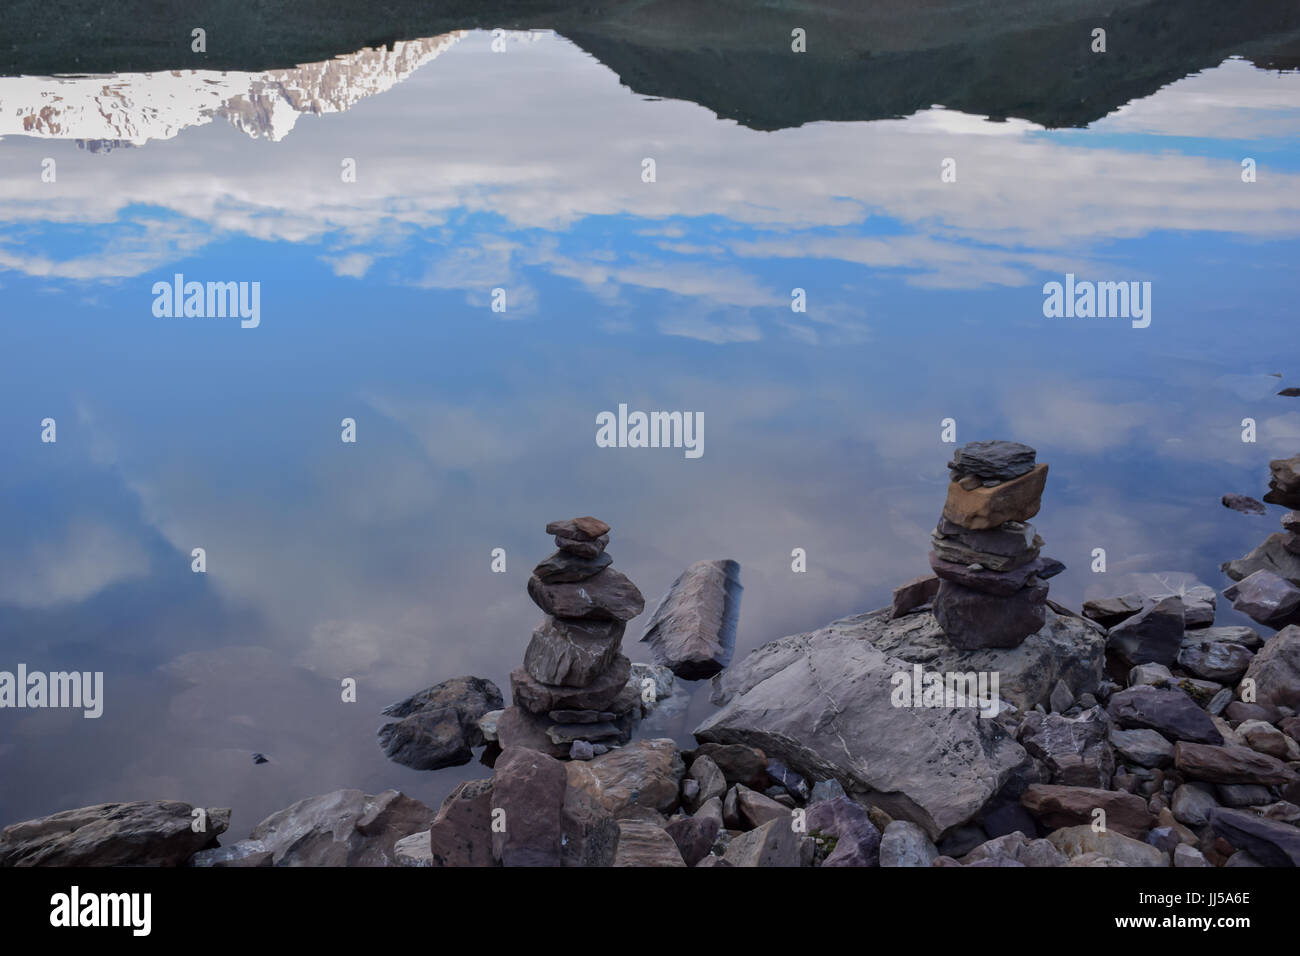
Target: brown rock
x,y
644,844
914,593
600,694
461,834
645,773
529,788
1059,806
1230,765
584,529
982,508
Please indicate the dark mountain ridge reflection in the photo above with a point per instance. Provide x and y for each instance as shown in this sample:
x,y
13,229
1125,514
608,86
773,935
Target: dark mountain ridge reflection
x,y
1002,58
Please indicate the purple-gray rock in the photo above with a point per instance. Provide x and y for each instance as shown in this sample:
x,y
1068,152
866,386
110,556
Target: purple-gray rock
x,y
529,789
993,460
693,630
1271,555
581,547
1276,670
583,529
600,694
572,652
144,833
1009,545
1169,711
1075,749
1271,843
564,567
1220,661
694,836
1265,597
979,578
609,595
1110,611
438,726
1153,635
971,619
857,841
1243,503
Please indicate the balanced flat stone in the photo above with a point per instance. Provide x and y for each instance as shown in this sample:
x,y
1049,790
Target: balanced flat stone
x,y
584,529
563,567
997,460
541,698
693,630
610,594
972,619
581,546
572,653
1008,546
987,507
978,578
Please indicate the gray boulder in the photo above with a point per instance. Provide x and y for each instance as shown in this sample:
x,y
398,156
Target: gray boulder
x,y
905,844
1153,635
438,726
143,833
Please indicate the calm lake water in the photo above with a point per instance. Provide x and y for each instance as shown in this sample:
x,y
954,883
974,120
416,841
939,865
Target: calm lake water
x,y
523,171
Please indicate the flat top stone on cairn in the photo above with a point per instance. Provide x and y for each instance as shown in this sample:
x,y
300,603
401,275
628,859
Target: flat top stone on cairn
x,y
584,529
995,461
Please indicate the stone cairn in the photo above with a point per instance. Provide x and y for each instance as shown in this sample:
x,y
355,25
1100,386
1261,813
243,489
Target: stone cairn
x,y
572,696
992,579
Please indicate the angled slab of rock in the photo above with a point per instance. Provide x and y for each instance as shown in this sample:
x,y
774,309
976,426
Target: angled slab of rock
x,y
563,567
693,630
342,828
438,726
609,594
143,833
1198,598
1271,555
1275,671
775,843
1221,661
1075,749
1153,635
821,704
1076,842
1109,611
912,594
978,578
1009,545
1271,843
1265,597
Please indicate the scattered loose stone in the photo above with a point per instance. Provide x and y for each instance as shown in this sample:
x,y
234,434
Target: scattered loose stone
x,y
1146,748
1192,803
1080,841
1230,765
775,843
695,835
1112,610
1276,670
1059,807
857,841
1243,503
644,844
1154,635
1269,842
1171,712
905,844
1214,660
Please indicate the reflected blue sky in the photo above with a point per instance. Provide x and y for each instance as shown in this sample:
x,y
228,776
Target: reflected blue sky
x,y
522,170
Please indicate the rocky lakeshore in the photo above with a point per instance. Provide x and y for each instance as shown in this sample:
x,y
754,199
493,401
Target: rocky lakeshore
x,y
973,722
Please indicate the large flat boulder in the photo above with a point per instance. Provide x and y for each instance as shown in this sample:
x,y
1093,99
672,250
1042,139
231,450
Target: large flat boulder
x,y
342,828
821,703
693,630
143,833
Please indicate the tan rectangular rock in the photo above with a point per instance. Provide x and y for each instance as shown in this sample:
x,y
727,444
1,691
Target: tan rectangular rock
x,y
982,508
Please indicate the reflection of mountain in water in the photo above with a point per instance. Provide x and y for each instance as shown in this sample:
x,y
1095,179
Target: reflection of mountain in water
x,y
1023,58
104,113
